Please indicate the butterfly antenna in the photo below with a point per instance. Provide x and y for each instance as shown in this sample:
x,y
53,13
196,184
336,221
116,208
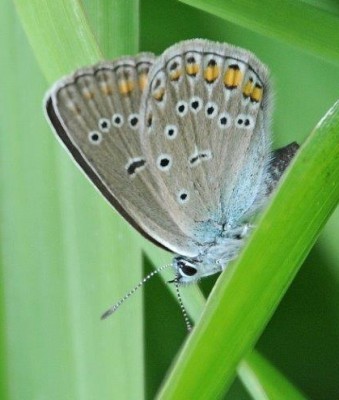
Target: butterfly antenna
x,y
182,307
112,309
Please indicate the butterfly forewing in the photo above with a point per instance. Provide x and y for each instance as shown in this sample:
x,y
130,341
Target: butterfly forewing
x,y
203,130
95,113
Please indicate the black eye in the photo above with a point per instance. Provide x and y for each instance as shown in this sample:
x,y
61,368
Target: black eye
x,y
187,270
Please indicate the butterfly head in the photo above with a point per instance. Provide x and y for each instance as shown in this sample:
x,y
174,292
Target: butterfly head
x,y
188,270
213,258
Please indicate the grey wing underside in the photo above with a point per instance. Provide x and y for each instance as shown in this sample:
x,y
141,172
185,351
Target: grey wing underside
x,y
216,99
95,113
89,171
178,179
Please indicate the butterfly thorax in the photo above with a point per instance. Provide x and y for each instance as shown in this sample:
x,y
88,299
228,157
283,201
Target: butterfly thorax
x,y
213,257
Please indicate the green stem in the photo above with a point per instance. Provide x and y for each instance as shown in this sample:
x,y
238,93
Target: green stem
x,y
263,381
294,22
245,296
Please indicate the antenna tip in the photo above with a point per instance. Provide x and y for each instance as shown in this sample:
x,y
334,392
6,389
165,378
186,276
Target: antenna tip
x,y
107,313
123,299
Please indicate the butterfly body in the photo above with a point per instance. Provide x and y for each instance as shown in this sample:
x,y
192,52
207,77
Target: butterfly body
x,y
178,144
213,257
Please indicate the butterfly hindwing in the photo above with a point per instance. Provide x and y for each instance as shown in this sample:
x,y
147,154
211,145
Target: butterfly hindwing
x,y
204,129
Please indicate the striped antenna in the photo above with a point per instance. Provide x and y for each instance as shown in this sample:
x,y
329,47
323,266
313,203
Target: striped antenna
x,y
112,309
182,307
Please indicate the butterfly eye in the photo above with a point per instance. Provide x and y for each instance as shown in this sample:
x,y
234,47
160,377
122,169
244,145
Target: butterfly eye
x,y
187,270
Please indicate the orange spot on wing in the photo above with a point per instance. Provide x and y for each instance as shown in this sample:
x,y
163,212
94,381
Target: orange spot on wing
x,y
192,69
73,107
175,75
237,77
247,90
229,77
211,73
125,86
159,94
87,94
257,93
143,81
233,77
106,89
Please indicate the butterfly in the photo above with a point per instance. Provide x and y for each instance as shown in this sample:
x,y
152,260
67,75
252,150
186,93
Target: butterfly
x,y
179,145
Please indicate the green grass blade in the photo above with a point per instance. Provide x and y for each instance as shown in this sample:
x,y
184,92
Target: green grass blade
x,y
246,295
263,381
257,374
294,22
60,35
76,262
3,342
116,24
35,320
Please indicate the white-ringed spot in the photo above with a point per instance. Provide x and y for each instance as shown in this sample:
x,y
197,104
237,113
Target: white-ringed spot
x,y
117,120
171,131
164,162
244,121
181,108
211,109
133,120
182,196
135,165
224,120
195,104
95,137
104,125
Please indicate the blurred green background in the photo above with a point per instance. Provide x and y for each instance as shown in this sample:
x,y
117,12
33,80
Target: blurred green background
x,y
65,255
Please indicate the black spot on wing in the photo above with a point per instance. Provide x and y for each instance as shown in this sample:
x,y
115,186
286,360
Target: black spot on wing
x,y
134,165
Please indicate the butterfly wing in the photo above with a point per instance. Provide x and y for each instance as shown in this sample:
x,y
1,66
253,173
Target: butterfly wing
x,y
204,128
95,113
